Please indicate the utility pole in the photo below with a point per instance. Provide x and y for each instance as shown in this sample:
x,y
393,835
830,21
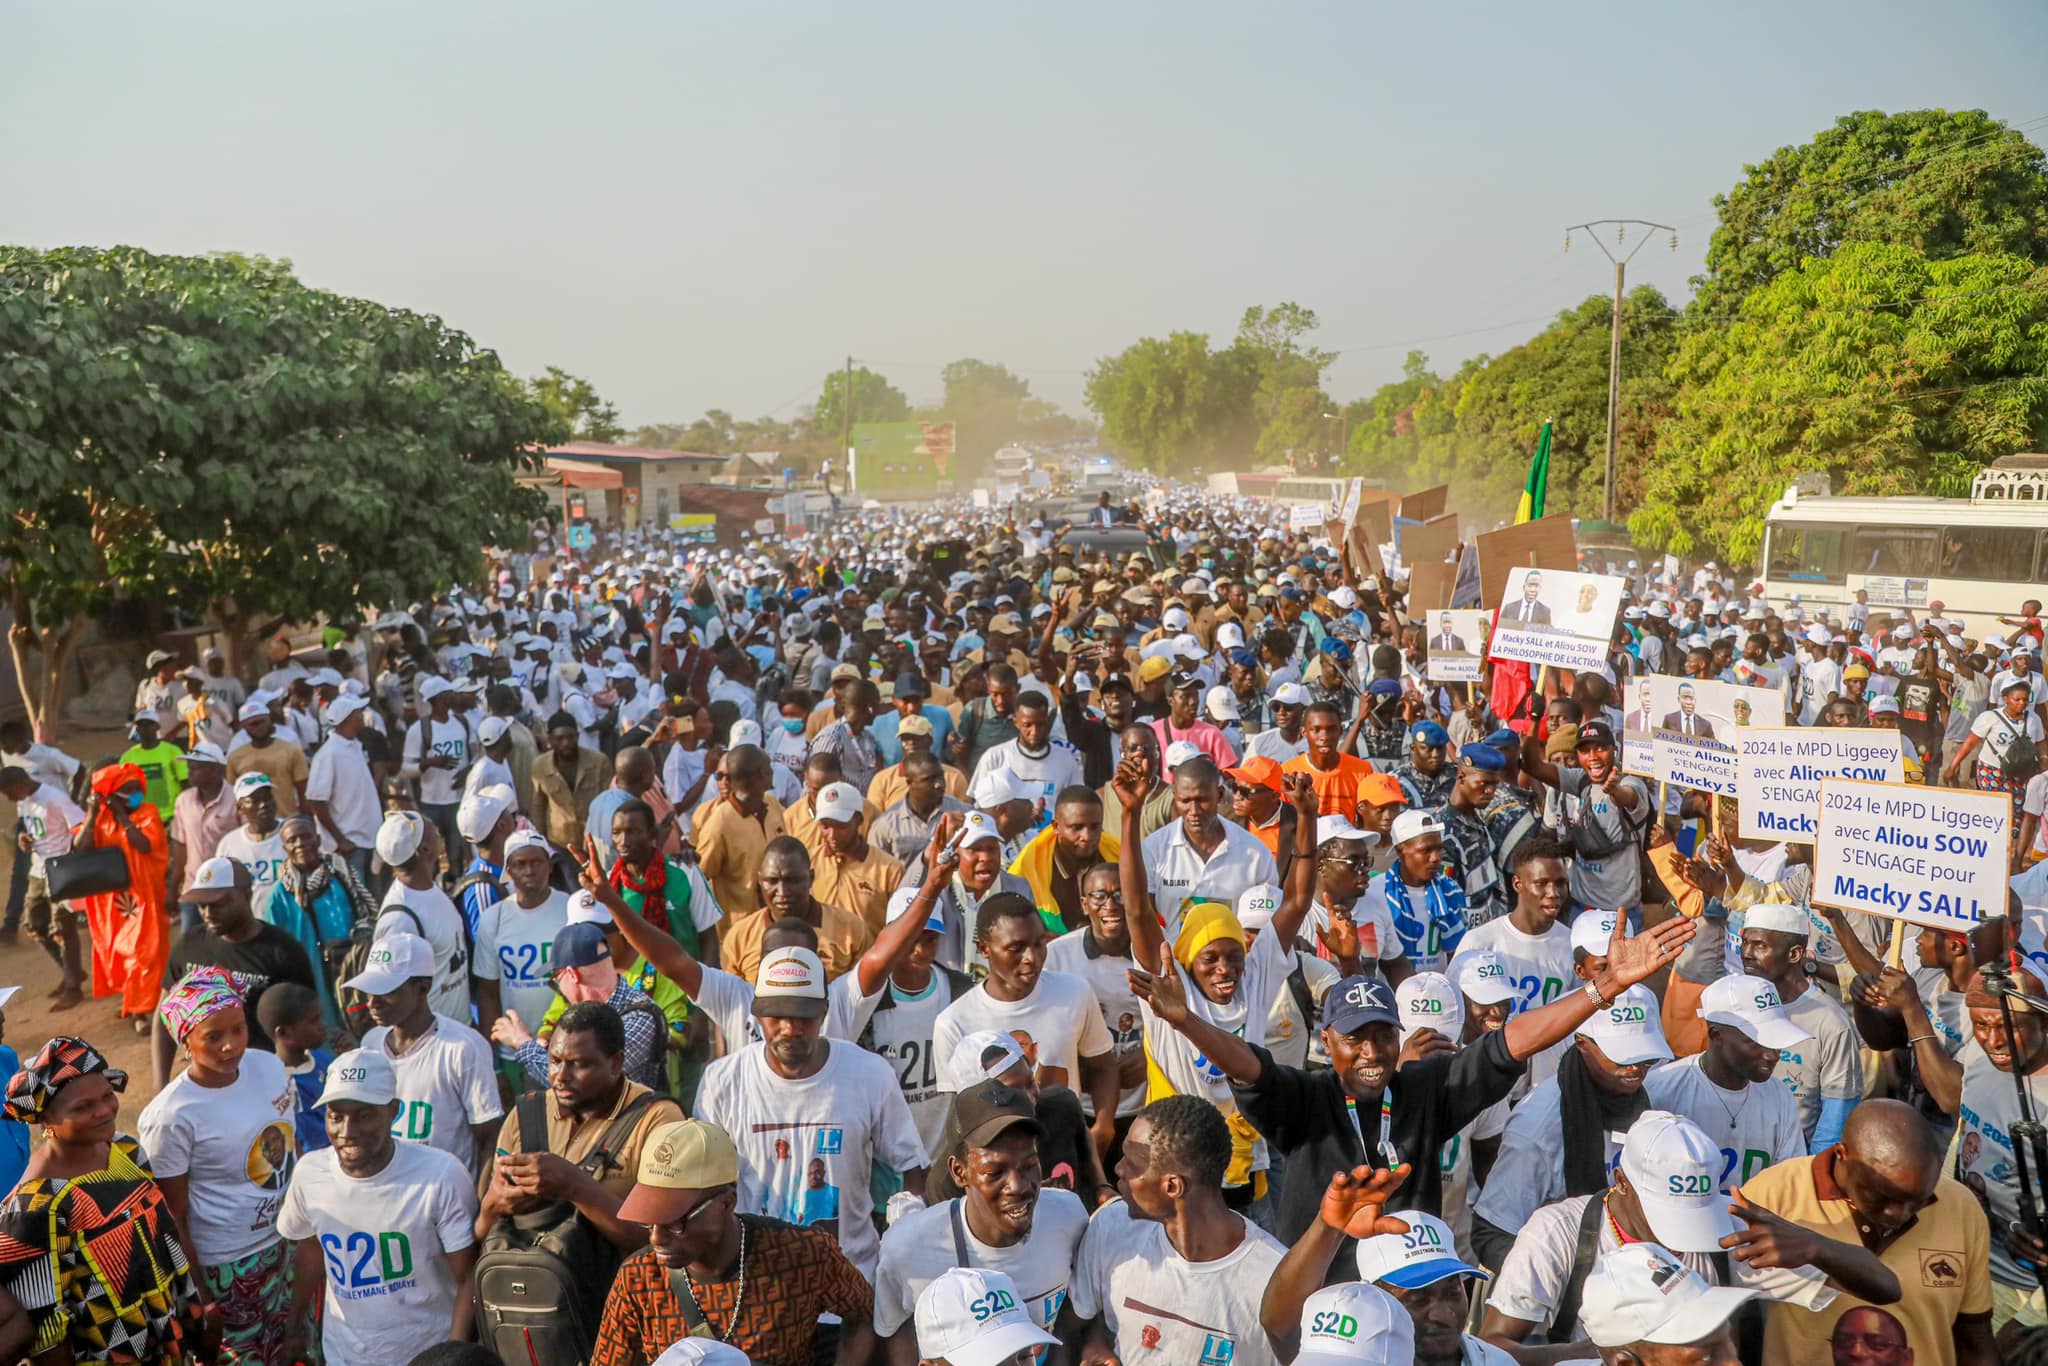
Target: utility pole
x,y
846,422
1621,227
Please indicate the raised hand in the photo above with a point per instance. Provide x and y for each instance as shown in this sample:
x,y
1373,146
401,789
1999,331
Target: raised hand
x,y
1354,1200
1133,781
1300,791
1163,990
1633,958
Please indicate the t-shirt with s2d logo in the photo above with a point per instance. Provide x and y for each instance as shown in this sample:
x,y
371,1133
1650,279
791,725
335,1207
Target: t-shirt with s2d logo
x,y
1754,1127
446,1082
383,1243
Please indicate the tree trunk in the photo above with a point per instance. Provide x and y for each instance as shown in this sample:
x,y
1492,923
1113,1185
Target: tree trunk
x,y
43,692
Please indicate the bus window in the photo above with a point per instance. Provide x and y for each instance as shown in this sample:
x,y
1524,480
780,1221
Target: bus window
x,y
2003,554
1904,551
1805,553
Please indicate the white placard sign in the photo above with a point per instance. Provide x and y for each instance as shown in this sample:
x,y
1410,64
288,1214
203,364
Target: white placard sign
x,y
1692,738
1557,618
1455,642
1926,855
1306,516
1778,773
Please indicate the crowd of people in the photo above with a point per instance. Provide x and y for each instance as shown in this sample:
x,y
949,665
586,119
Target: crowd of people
x,y
933,939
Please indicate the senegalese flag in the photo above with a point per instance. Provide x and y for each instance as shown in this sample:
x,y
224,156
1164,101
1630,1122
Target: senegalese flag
x,y
1537,485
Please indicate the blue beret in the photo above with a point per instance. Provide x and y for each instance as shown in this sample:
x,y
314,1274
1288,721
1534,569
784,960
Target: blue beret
x,y
1244,659
1384,687
1291,594
1430,733
1506,739
1485,758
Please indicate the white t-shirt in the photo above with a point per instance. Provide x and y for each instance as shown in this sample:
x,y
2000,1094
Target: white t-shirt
x,y
1754,1128
1529,1172
920,1247
902,1037
1533,1274
340,776
448,739
1275,746
1057,1025
1998,732
384,1239
1984,1152
1162,1308
729,1000
446,1082
49,816
1539,969
441,925
806,1146
1109,978
1059,767
238,1145
1188,1072
264,858
512,948
1828,1066
1818,680
1177,872
1291,1035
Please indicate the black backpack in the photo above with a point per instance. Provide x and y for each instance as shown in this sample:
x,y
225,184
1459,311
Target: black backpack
x,y
541,1278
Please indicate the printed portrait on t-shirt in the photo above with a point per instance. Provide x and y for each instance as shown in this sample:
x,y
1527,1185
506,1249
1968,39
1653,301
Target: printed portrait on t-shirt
x,y
273,1155
1868,1336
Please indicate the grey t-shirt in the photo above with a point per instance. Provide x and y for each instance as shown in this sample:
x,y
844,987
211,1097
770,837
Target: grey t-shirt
x,y
1613,881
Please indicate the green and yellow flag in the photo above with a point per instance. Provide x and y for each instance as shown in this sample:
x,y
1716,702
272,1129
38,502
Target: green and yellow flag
x,y
1538,483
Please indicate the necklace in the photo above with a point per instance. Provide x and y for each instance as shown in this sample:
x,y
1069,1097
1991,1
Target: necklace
x,y
739,1299
1720,1098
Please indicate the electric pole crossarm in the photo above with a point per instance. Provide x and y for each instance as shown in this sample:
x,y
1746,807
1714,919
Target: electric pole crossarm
x,y
1591,230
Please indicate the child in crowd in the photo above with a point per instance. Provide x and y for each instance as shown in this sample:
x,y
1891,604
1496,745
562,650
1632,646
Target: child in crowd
x,y
291,1015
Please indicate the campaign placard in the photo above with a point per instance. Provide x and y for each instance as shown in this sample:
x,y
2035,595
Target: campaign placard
x,y
1927,855
1455,642
1681,730
1779,770
1558,618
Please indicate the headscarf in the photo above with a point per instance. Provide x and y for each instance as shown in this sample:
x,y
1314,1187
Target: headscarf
x,y
306,887
1203,923
61,1060
114,777
204,993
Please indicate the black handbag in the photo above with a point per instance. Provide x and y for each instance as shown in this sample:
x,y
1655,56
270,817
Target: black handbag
x,y
86,872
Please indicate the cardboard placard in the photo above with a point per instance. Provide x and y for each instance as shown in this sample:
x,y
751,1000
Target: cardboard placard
x,y
1935,856
1557,618
1426,504
1779,770
1456,641
1431,543
1429,588
1550,540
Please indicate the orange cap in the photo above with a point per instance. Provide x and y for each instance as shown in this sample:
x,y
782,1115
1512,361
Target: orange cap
x,y
1380,789
1258,771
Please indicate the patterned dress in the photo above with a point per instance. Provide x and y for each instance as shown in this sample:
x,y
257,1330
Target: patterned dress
x,y
96,1263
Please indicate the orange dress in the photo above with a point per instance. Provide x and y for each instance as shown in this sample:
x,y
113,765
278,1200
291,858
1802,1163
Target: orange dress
x,y
130,928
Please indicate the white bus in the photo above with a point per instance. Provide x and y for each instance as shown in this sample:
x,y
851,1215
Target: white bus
x,y
1010,464
1980,557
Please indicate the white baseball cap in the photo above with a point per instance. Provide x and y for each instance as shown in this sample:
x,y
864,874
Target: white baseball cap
x,y
1675,1171
1256,905
1424,1255
492,729
790,981
1642,1293
527,839
215,878
1428,1000
205,752
393,960
744,733
363,1075
433,686
996,786
900,902
1629,1031
1221,702
584,909
1179,752
703,1352
1482,975
1412,824
964,1066
1751,1005
1593,931
978,827
1340,828
250,783
398,838
838,802
1355,1324
344,706
972,1317
482,809
1290,695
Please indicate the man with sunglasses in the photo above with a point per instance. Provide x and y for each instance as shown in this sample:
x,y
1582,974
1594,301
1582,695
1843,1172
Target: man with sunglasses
x,y
1099,953
754,1283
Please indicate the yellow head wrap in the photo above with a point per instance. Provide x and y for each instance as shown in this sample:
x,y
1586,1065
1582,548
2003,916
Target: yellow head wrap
x,y
1203,923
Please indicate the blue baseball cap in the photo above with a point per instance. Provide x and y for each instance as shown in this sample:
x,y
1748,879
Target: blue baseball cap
x,y
1430,733
579,945
1359,1001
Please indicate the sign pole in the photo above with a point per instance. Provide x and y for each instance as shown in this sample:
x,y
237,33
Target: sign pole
x,y
1896,954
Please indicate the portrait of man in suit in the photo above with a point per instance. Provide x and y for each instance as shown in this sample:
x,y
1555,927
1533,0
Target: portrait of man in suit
x,y
1640,721
1447,641
1687,720
1530,611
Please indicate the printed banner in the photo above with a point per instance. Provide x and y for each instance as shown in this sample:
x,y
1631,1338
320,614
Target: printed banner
x,y
1306,516
1778,773
1456,642
1927,855
1682,730
1556,617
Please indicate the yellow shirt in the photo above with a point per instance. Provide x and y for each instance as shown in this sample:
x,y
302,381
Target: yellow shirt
x,y
862,886
729,848
888,787
281,761
842,938
1942,1260
577,1142
801,821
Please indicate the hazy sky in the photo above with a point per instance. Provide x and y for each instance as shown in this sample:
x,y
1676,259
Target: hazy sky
x,y
702,206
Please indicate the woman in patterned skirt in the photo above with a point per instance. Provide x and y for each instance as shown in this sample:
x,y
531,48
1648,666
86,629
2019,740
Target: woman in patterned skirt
x,y
88,1247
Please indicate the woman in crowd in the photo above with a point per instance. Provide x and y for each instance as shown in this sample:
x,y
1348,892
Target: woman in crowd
x,y
129,942
319,902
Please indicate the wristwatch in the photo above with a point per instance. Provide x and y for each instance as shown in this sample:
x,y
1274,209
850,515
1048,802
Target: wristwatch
x,y
1593,994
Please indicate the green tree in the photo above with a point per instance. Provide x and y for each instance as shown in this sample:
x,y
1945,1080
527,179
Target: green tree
x,y
1891,371
1289,400
577,405
988,404
207,433
1172,402
874,400
1942,183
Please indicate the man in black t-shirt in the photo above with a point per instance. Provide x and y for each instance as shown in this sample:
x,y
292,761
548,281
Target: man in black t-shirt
x,y
234,940
1381,1103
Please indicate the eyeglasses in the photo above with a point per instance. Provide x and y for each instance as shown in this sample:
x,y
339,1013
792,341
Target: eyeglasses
x,y
1098,897
1359,863
698,1208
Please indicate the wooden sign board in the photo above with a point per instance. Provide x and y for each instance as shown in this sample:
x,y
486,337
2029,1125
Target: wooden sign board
x,y
1429,587
1430,543
1426,505
1550,542
1362,553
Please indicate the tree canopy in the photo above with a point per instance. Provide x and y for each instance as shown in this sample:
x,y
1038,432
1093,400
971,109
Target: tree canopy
x,y
576,405
874,400
210,434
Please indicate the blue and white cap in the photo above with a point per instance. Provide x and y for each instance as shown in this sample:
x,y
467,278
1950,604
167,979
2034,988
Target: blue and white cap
x,y
1424,1255
974,1317
1355,1324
